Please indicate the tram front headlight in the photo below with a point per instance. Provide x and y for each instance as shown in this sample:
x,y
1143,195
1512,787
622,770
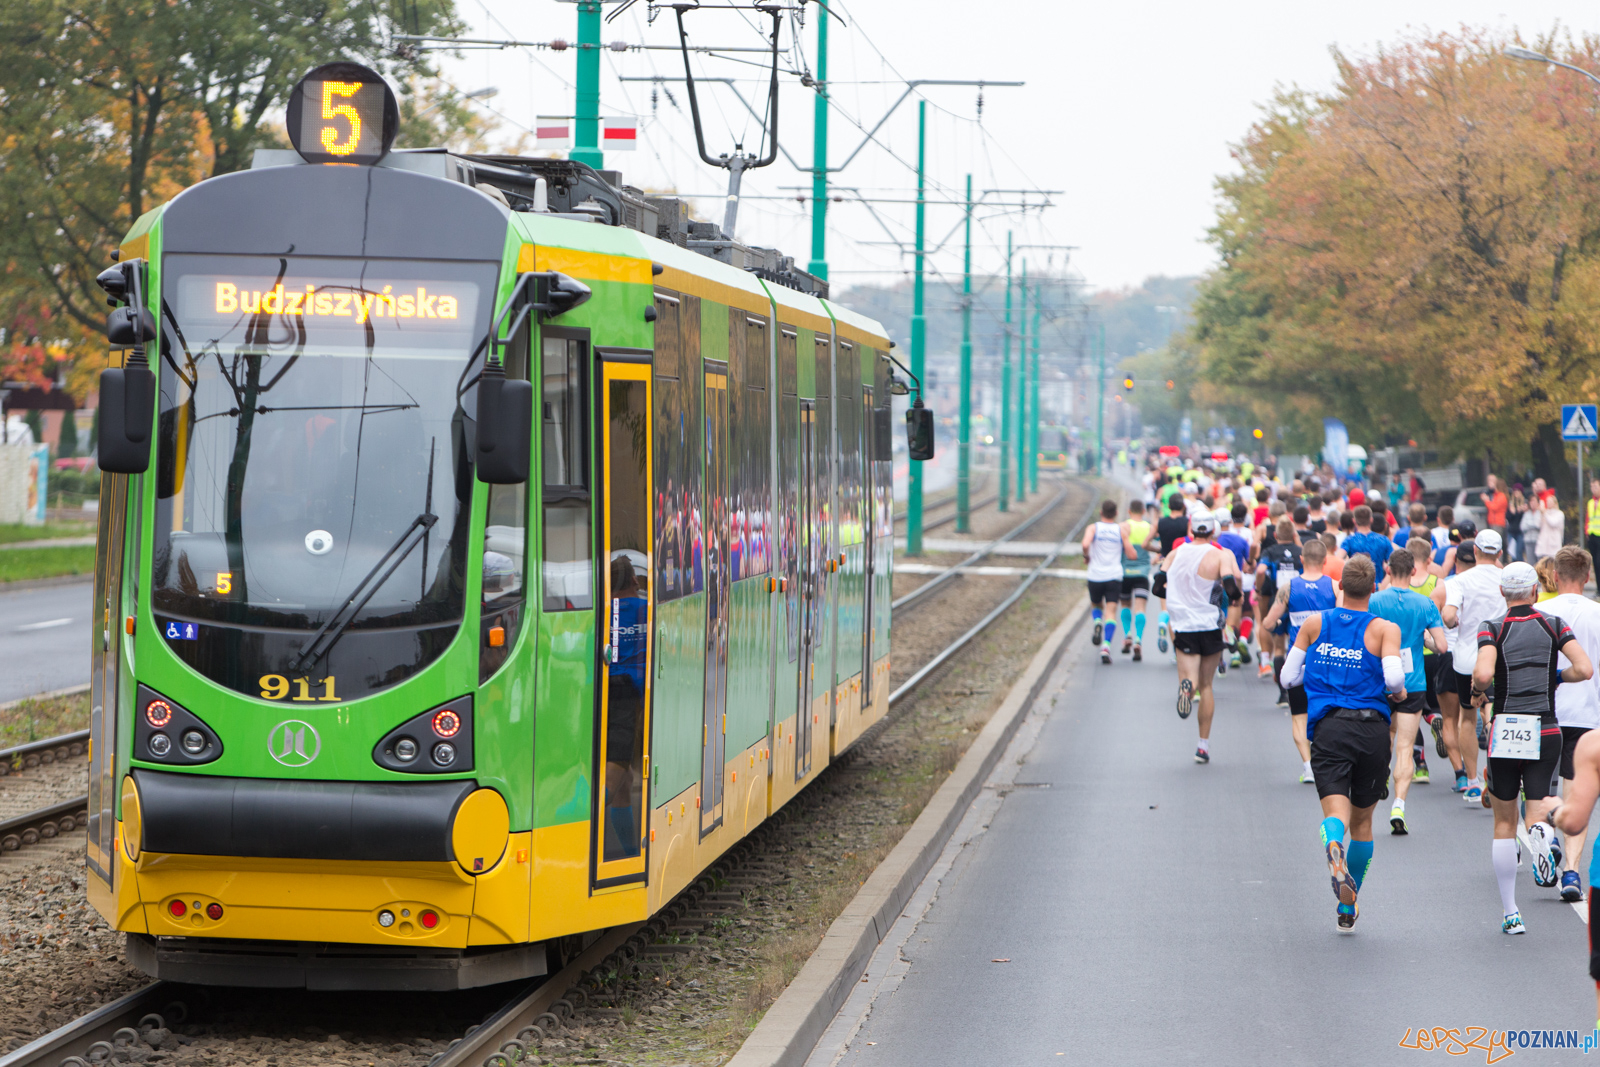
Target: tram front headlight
x,y
167,732
405,750
436,741
193,741
160,745
444,753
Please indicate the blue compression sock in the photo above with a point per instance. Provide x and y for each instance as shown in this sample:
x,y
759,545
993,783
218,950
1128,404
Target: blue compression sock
x,y
1126,618
1111,628
1094,613
1332,830
1166,619
1138,627
1360,858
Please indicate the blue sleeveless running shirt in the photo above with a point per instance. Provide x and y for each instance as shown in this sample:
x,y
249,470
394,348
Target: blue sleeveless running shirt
x,y
1340,672
1306,598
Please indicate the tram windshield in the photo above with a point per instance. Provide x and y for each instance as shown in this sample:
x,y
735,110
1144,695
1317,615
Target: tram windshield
x,y
314,479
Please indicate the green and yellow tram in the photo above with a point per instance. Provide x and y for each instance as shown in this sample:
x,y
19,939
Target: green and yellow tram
x,y
484,550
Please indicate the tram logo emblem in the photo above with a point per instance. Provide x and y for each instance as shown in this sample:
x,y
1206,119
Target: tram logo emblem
x,y
294,743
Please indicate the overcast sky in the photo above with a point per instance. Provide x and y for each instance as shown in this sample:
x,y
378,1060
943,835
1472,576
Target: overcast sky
x,y
1129,109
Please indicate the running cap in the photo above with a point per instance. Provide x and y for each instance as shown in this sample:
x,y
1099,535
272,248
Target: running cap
x,y
1488,542
1223,517
1203,523
1190,489
1518,579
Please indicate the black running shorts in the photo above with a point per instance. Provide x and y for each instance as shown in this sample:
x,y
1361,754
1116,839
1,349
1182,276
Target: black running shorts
x,y
1462,684
1594,925
1533,778
1135,585
1413,704
1105,592
1299,704
1198,642
1350,756
1569,745
1430,671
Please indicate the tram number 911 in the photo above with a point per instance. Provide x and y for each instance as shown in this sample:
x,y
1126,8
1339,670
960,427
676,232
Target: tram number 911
x,y
277,687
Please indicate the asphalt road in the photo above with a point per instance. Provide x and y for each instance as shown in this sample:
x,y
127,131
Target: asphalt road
x,y
1149,910
44,639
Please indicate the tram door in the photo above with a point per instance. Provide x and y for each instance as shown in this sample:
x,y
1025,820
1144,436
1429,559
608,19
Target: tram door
x,y
105,676
867,500
810,584
623,729
718,590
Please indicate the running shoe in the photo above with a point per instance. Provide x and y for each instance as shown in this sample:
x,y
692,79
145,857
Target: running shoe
x,y
1421,774
1202,756
1161,637
1307,778
1344,886
1461,783
1512,924
1347,914
1483,741
1283,699
1127,645
1222,666
1185,698
1546,867
1571,888
1105,656
1094,634
1474,793
1234,661
1264,670
1438,737
1138,653
1556,851
1397,822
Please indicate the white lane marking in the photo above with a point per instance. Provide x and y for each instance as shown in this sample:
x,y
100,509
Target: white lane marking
x,y
1583,913
50,624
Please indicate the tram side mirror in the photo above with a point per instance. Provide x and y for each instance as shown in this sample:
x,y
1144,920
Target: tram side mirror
x,y
898,387
123,324
919,432
127,411
556,293
505,427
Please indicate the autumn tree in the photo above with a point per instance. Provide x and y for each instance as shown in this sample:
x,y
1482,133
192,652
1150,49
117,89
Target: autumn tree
x,y
1417,252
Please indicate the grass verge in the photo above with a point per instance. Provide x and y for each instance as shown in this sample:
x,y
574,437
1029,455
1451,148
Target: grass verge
x,y
19,564
34,720
10,533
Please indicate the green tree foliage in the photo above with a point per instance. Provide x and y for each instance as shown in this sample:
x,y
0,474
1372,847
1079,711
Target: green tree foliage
x,y
67,444
109,107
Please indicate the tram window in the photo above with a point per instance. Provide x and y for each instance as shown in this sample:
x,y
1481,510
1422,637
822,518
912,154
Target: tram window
x,y
755,429
849,369
568,566
504,554
564,451
679,460
789,517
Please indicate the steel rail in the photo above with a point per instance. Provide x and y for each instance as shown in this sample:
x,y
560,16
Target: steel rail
x,y
987,548
95,1037
44,823
63,746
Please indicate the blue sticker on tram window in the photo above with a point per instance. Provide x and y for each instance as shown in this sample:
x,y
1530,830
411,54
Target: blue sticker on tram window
x,y
182,631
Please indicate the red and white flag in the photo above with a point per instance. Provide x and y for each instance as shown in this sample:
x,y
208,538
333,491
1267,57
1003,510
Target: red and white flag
x,y
552,131
619,134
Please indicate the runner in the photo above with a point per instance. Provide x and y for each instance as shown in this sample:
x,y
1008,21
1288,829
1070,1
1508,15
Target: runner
x,y
1471,600
1577,706
1571,817
1518,654
1365,539
1231,536
1424,581
1105,547
1172,530
1304,595
1349,661
1419,621
1135,582
1186,579
1279,561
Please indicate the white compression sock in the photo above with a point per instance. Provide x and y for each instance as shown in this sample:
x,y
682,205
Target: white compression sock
x,y
1505,872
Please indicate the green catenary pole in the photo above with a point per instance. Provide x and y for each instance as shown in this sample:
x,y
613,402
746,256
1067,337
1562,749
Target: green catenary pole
x,y
1005,392
1033,426
1100,431
1022,386
964,451
919,339
586,126
819,155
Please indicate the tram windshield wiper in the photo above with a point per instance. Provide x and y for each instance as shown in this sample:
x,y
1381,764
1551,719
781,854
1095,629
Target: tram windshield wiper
x,y
340,620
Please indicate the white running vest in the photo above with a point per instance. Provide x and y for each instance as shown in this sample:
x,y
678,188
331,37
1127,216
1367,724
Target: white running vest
x,y
1105,553
1188,594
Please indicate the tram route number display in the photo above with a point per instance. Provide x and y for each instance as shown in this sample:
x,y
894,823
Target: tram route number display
x,y
277,687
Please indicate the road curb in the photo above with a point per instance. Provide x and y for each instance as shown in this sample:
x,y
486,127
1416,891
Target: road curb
x,y
69,691
23,584
795,1023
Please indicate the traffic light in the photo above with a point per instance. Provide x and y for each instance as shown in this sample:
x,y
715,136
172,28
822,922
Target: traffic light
x,y
1257,434
1171,385
1127,383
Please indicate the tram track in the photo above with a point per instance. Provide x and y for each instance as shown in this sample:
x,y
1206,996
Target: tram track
x,y
606,989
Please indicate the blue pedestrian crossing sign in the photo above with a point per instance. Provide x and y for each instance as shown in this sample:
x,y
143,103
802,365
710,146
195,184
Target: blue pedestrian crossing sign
x,y
1578,422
